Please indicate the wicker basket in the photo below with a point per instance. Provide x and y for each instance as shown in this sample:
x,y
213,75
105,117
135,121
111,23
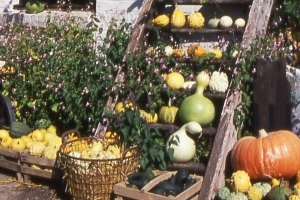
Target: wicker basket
x,y
95,178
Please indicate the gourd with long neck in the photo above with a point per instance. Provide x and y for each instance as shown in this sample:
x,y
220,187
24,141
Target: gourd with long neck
x,y
183,145
197,107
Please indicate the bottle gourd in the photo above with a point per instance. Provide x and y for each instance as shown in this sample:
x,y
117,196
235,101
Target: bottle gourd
x,y
197,107
183,145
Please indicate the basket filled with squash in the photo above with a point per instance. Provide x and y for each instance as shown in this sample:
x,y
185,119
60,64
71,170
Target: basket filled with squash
x,y
92,165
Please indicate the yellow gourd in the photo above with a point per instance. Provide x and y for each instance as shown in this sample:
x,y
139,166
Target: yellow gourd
x,y
37,135
178,18
174,80
150,118
18,144
218,53
161,20
179,53
196,20
275,182
254,194
120,107
195,50
3,134
240,181
167,114
6,141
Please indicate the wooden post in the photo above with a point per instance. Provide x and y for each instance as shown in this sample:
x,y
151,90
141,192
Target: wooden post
x,y
226,136
272,96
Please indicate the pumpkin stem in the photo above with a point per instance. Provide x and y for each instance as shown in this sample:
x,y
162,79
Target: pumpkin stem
x,y
262,133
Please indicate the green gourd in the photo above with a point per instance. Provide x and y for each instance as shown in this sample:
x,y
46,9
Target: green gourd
x,y
263,187
223,193
18,129
34,6
237,196
213,23
197,107
279,192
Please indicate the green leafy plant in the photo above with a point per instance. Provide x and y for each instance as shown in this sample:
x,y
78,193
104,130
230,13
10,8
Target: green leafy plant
x,y
60,77
292,9
135,131
267,47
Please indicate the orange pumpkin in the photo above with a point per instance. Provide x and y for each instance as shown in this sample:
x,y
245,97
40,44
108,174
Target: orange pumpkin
x,y
275,155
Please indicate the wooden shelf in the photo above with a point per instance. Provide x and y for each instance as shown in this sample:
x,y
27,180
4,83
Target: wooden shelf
x,y
200,30
200,2
206,131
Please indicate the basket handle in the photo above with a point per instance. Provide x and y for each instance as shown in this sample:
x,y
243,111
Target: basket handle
x,y
129,149
69,132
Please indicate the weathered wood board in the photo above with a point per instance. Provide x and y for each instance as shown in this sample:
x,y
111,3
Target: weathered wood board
x,y
20,162
272,96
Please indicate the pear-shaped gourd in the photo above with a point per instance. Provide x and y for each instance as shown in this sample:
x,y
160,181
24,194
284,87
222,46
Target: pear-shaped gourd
x,y
197,107
183,145
178,19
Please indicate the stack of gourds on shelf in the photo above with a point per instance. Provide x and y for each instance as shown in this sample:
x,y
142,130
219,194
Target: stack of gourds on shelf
x,y
195,20
264,167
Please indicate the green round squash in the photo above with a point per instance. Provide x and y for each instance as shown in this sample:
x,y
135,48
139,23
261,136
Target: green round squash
x,y
34,6
279,192
237,196
223,193
213,23
18,129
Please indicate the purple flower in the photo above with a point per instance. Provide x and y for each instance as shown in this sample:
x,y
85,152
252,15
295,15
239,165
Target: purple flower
x,y
191,76
156,71
87,104
164,66
55,90
47,79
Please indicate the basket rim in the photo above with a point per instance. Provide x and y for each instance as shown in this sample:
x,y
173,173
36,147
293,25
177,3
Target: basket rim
x,y
63,146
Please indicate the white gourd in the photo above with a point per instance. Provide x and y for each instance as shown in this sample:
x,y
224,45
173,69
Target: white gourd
x,y
183,145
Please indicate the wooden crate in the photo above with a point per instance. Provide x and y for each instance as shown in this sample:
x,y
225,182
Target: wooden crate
x,y
125,193
21,162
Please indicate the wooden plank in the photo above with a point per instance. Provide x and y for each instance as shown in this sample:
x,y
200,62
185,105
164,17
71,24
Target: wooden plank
x,y
25,158
226,137
8,152
10,165
39,173
271,96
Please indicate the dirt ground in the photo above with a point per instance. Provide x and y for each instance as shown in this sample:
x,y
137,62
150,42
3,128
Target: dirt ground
x,y
38,189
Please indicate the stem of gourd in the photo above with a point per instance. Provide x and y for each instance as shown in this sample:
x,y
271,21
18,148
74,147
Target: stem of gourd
x,y
262,133
170,102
